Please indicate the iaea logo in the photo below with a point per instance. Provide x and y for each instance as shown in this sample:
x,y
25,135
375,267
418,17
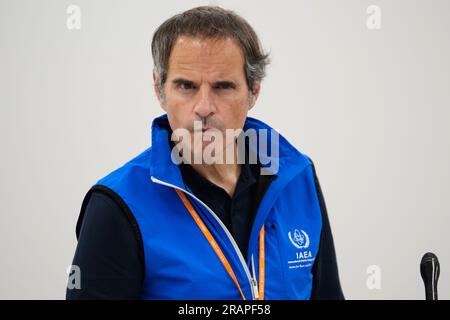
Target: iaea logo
x,y
300,239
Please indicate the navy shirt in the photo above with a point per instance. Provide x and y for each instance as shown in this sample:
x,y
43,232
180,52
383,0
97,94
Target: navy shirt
x,y
238,211
110,255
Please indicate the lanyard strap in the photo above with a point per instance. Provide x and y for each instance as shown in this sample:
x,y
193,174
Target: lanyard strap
x,y
219,252
262,266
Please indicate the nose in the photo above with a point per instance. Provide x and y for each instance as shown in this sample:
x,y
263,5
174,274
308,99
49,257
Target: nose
x,y
204,106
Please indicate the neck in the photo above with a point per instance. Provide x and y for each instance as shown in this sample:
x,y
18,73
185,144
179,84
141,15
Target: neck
x,y
224,175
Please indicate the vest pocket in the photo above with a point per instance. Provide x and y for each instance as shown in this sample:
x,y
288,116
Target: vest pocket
x,y
296,264
275,278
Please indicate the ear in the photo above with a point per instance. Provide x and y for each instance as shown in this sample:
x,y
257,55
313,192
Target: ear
x,y
255,94
157,91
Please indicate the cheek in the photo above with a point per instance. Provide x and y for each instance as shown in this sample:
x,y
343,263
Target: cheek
x,y
178,113
237,114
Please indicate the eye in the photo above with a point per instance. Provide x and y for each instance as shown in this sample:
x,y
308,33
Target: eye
x,y
225,85
186,86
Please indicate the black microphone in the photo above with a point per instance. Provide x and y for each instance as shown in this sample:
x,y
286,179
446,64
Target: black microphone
x,y
429,270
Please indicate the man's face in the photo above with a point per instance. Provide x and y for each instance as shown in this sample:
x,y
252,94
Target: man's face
x,y
206,82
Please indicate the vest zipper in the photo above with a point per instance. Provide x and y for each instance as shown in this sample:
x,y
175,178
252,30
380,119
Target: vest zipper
x,y
252,281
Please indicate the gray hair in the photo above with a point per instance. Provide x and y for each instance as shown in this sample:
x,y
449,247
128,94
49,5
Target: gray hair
x,y
209,22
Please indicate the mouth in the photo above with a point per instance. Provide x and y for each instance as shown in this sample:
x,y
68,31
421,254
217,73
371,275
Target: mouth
x,y
204,129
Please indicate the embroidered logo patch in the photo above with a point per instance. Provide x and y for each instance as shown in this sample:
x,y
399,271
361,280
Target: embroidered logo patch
x,y
300,239
303,257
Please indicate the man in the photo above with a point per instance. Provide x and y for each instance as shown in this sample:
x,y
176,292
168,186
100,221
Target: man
x,y
161,228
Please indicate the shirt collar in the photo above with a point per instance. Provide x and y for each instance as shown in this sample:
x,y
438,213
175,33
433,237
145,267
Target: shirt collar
x,y
248,176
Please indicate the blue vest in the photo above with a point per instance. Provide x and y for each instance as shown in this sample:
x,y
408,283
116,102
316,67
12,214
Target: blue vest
x,y
179,261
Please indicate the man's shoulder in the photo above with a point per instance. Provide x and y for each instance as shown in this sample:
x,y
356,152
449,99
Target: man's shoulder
x,y
138,165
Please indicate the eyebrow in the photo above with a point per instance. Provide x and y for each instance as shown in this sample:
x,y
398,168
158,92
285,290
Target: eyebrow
x,y
230,83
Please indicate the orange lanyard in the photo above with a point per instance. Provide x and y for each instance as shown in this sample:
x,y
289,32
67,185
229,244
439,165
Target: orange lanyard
x,y
262,266
219,252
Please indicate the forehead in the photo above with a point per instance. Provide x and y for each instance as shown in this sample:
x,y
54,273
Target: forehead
x,y
192,56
